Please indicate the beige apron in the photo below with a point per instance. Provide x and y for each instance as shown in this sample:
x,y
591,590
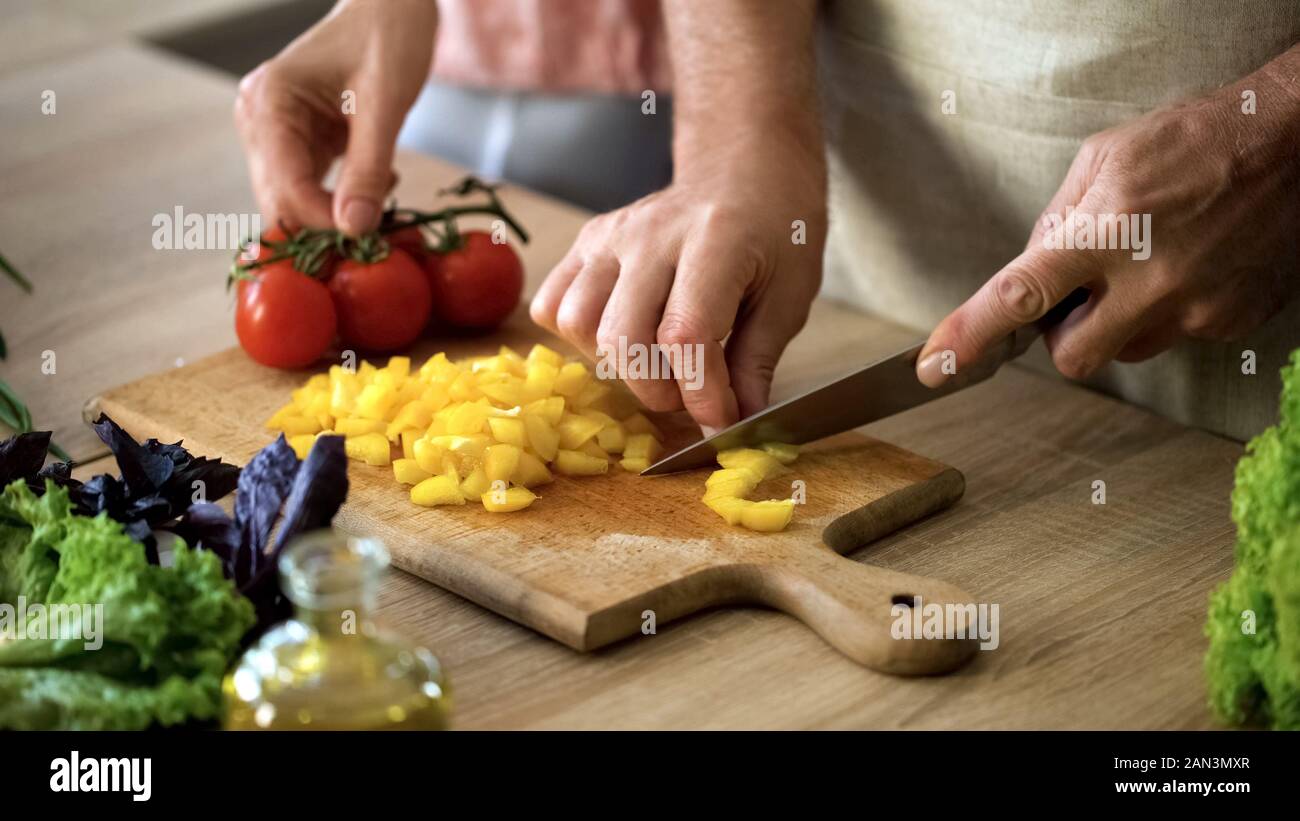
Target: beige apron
x,y
926,206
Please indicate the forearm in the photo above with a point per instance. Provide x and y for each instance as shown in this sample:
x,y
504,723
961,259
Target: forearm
x,y
744,81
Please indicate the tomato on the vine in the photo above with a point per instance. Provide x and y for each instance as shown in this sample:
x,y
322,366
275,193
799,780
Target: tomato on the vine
x,y
409,239
477,284
284,318
276,235
382,305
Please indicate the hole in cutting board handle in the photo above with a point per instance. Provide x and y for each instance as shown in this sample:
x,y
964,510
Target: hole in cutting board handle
x,y
905,599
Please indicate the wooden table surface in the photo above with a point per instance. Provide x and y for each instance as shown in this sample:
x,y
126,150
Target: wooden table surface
x,y
1101,606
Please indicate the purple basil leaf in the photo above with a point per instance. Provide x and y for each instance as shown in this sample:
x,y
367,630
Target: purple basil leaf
x,y
142,471
206,526
218,478
318,491
263,486
156,485
60,472
22,456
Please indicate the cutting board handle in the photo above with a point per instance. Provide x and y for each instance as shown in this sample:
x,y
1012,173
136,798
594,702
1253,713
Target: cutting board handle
x,y
857,609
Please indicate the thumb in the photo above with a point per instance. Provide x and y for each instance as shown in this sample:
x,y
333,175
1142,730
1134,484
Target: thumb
x,y
367,171
1028,287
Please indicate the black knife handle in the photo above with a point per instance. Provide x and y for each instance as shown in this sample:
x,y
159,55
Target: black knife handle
x,y
1024,337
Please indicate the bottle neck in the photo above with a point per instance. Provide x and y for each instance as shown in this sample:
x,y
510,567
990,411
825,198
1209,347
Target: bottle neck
x,y
350,618
333,581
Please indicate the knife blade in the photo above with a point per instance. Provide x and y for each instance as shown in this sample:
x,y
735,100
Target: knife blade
x,y
883,388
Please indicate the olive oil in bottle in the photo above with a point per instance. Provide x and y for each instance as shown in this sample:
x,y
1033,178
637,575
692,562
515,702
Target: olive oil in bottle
x,y
329,667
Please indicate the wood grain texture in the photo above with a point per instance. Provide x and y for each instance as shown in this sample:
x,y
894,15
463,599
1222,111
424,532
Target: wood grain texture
x,y
593,557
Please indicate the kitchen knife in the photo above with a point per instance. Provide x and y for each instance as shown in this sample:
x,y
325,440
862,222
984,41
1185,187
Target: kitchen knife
x,y
880,389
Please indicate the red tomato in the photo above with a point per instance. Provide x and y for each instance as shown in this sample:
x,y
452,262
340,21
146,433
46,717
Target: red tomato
x,y
275,234
381,305
410,240
477,285
284,319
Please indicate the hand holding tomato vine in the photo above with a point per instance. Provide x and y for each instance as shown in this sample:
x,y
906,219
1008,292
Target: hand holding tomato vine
x,y
377,291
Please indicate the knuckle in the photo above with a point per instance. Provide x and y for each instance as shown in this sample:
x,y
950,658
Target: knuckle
x,y
1125,194
720,217
609,331
679,329
1166,281
573,323
701,407
1021,295
1204,320
592,231
250,85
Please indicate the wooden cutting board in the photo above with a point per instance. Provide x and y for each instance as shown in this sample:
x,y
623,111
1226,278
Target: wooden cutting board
x,y
595,560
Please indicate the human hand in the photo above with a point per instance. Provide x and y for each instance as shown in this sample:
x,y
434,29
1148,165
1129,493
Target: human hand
x,y
343,87
715,261
1207,193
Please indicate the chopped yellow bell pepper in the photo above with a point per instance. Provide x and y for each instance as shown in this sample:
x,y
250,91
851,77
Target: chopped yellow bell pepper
x,y
371,448
743,469
643,446
356,426
302,444
509,501
437,490
470,427
574,463
408,471
575,429
541,353
634,464
500,462
542,438
769,516
475,484
509,431
572,378
428,455
531,471
762,464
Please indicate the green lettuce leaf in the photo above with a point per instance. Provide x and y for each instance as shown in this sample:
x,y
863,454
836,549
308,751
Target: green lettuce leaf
x,y
1252,666
169,633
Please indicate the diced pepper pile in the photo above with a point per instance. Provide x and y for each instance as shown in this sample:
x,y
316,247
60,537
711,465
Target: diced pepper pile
x,y
743,469
487,429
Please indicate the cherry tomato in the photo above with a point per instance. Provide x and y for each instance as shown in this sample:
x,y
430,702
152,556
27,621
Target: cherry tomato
x,y
283,318
277,235
476,285
410,240
381,305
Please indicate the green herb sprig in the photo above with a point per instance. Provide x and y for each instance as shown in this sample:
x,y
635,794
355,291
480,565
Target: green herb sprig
x,y
13,413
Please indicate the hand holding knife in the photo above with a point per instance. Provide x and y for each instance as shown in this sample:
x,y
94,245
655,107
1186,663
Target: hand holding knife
x,y
880,389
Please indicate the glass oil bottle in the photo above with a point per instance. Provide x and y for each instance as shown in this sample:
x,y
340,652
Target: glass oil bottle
x,y
329,667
